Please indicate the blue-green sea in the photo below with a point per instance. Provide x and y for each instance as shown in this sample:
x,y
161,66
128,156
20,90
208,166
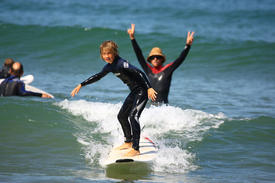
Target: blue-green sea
x,y
219,125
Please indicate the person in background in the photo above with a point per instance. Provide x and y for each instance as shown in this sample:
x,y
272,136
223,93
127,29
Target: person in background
x,y
4,72
140,91
13,86
159,75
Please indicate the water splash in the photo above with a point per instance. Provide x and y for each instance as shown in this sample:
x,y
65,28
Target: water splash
x,y
172,128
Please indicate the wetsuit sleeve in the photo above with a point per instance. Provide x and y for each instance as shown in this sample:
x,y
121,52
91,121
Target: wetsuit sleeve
x,y
140,56
21,91
138,74
181,58
95,77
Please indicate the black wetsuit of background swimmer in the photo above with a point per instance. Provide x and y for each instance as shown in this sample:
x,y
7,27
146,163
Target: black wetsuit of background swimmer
x,y
160,78
12,86
4,72
135,102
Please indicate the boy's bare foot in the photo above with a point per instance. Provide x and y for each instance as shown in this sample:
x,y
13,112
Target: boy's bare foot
x,y
126,145
132,152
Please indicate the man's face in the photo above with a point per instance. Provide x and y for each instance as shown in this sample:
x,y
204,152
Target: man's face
x,y
156,60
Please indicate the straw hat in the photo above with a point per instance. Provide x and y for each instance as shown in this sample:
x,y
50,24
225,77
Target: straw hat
x,y
156,51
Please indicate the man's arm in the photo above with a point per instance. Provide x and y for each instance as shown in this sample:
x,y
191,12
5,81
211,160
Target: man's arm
x,y
137,49
181,58
21,91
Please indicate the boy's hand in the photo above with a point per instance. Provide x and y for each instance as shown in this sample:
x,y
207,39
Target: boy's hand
x,y
131,32
190,38
76,90
152,94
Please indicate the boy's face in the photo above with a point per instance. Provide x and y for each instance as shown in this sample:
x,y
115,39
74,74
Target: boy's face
x,y
108,56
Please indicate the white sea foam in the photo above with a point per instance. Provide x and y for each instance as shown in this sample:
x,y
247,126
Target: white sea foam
x,y
170,127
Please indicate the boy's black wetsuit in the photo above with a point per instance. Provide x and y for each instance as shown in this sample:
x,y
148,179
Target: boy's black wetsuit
x,y
160,77
13,86
135,102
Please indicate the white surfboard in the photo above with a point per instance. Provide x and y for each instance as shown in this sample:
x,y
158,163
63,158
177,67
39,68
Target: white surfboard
x,y
26,79
148,151
34,89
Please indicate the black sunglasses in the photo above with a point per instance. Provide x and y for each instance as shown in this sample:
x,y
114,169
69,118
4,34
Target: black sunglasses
x,y
155,56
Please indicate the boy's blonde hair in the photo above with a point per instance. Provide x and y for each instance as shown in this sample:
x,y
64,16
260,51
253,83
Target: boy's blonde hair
x,y
109,46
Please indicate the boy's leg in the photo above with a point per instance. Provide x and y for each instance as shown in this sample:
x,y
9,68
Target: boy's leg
x,y
123,116
139,103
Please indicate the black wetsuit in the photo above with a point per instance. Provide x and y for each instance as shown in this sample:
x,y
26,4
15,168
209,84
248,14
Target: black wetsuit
x,y
160,77
13,86
4,72
135,102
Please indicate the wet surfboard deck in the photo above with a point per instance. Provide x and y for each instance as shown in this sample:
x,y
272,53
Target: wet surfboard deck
x,y
148,151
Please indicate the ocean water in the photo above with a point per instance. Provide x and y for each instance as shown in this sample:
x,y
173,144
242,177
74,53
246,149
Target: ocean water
x,y
218,127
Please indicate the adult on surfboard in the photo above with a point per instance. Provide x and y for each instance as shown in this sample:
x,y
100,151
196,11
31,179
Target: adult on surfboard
x,y
13,86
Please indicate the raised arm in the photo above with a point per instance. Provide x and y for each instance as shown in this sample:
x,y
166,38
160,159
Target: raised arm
x,y
137,49
181,58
